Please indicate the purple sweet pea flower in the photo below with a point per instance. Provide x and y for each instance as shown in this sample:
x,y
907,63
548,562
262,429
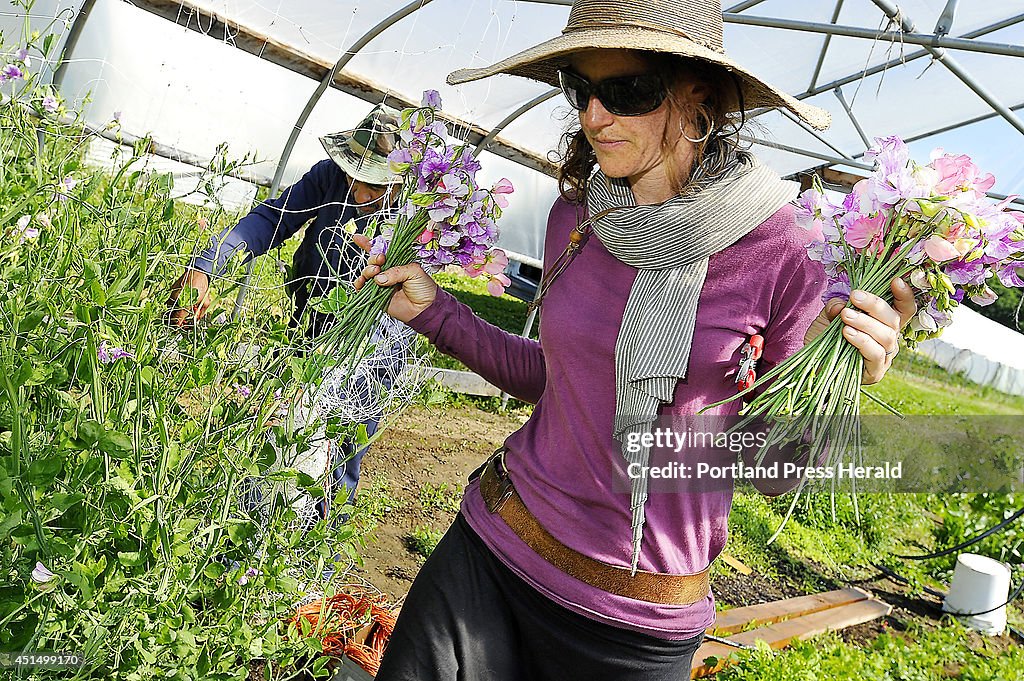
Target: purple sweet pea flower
x,y
839,287
431,98
891,153
22,56
965,273
49,104
10,72
243,391
107,354
378,245
1009,274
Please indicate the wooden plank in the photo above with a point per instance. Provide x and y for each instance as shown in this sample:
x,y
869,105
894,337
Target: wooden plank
x,y
781,634
192,17
735,564
735,619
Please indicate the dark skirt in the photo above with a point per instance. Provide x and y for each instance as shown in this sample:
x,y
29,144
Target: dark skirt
x,y
469,617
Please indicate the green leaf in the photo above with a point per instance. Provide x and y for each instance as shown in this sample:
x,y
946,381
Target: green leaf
x,y
333,303
168,211
240,532
24,373
30,321
90,432
10,522
213,570
131,558
116,444
43,471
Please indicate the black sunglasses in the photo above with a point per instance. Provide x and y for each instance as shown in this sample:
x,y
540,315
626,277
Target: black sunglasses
x,y
625,96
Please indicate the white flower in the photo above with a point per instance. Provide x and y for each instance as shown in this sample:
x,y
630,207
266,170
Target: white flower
x,y
919,279
923,321
41,575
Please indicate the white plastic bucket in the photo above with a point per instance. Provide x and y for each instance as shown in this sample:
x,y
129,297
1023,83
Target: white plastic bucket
x,y
979,583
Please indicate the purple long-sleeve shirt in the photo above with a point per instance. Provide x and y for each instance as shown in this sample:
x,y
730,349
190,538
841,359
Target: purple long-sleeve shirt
x,y
564,462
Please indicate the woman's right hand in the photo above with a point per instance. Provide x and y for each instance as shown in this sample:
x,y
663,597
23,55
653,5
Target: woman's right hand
x,y
418,288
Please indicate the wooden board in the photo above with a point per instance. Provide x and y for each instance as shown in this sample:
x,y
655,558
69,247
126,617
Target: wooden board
x,y
781,634
735,564
736,619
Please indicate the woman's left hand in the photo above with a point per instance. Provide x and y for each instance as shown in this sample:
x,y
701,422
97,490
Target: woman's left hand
x,y
874,329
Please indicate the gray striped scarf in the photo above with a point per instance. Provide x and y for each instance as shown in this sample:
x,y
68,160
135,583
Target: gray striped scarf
x,y
670,244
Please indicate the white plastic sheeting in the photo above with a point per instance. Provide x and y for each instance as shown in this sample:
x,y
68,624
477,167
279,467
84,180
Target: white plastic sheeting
x,y
193,92
984,351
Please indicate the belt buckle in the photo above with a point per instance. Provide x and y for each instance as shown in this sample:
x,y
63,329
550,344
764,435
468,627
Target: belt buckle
x,y
502,481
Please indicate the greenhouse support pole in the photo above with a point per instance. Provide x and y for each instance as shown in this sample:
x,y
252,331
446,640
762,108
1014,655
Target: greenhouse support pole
x,y
810,154
907,36
539,99
814,133
77,26
293,137
901,60
496,130
895,14
853,119
824,47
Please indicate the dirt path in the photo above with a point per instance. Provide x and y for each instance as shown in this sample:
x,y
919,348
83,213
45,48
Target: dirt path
x,y
418,469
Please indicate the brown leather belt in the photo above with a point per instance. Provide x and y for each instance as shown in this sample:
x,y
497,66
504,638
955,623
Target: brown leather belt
x,y
654,587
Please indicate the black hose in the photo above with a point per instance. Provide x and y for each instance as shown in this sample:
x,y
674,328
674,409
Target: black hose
x,y
973,540
900,578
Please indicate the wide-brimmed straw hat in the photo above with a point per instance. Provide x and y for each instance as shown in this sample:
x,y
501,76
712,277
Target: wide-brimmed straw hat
x,y
688,28
363,151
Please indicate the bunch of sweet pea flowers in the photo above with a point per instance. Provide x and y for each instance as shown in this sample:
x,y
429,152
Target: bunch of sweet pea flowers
x,y
930,223
444,217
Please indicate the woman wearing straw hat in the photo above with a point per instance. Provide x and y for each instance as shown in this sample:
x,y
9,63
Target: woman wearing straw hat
x,y
669,248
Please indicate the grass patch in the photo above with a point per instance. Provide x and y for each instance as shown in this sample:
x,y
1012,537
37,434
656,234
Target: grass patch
x,y
422,540
440,497
375,502
918,654
504,311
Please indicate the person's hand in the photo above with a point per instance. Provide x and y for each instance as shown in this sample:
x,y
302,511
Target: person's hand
x,y
418,288
874,329
181,316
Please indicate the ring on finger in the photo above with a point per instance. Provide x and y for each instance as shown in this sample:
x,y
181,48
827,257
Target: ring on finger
x,y
892,352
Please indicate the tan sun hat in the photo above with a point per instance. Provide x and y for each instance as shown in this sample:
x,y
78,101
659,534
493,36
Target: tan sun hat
x,y
688,28
363,152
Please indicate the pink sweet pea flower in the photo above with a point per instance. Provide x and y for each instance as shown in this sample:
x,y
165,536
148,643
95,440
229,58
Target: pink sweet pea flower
x,y
503,186
496,263
426,236
496,286
862,230
940,250
49,104
959,173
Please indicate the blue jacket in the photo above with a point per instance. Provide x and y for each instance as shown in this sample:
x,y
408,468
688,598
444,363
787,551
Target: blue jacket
x,y
322,259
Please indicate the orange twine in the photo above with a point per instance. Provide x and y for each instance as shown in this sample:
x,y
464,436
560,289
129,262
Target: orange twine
x,y
337,618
